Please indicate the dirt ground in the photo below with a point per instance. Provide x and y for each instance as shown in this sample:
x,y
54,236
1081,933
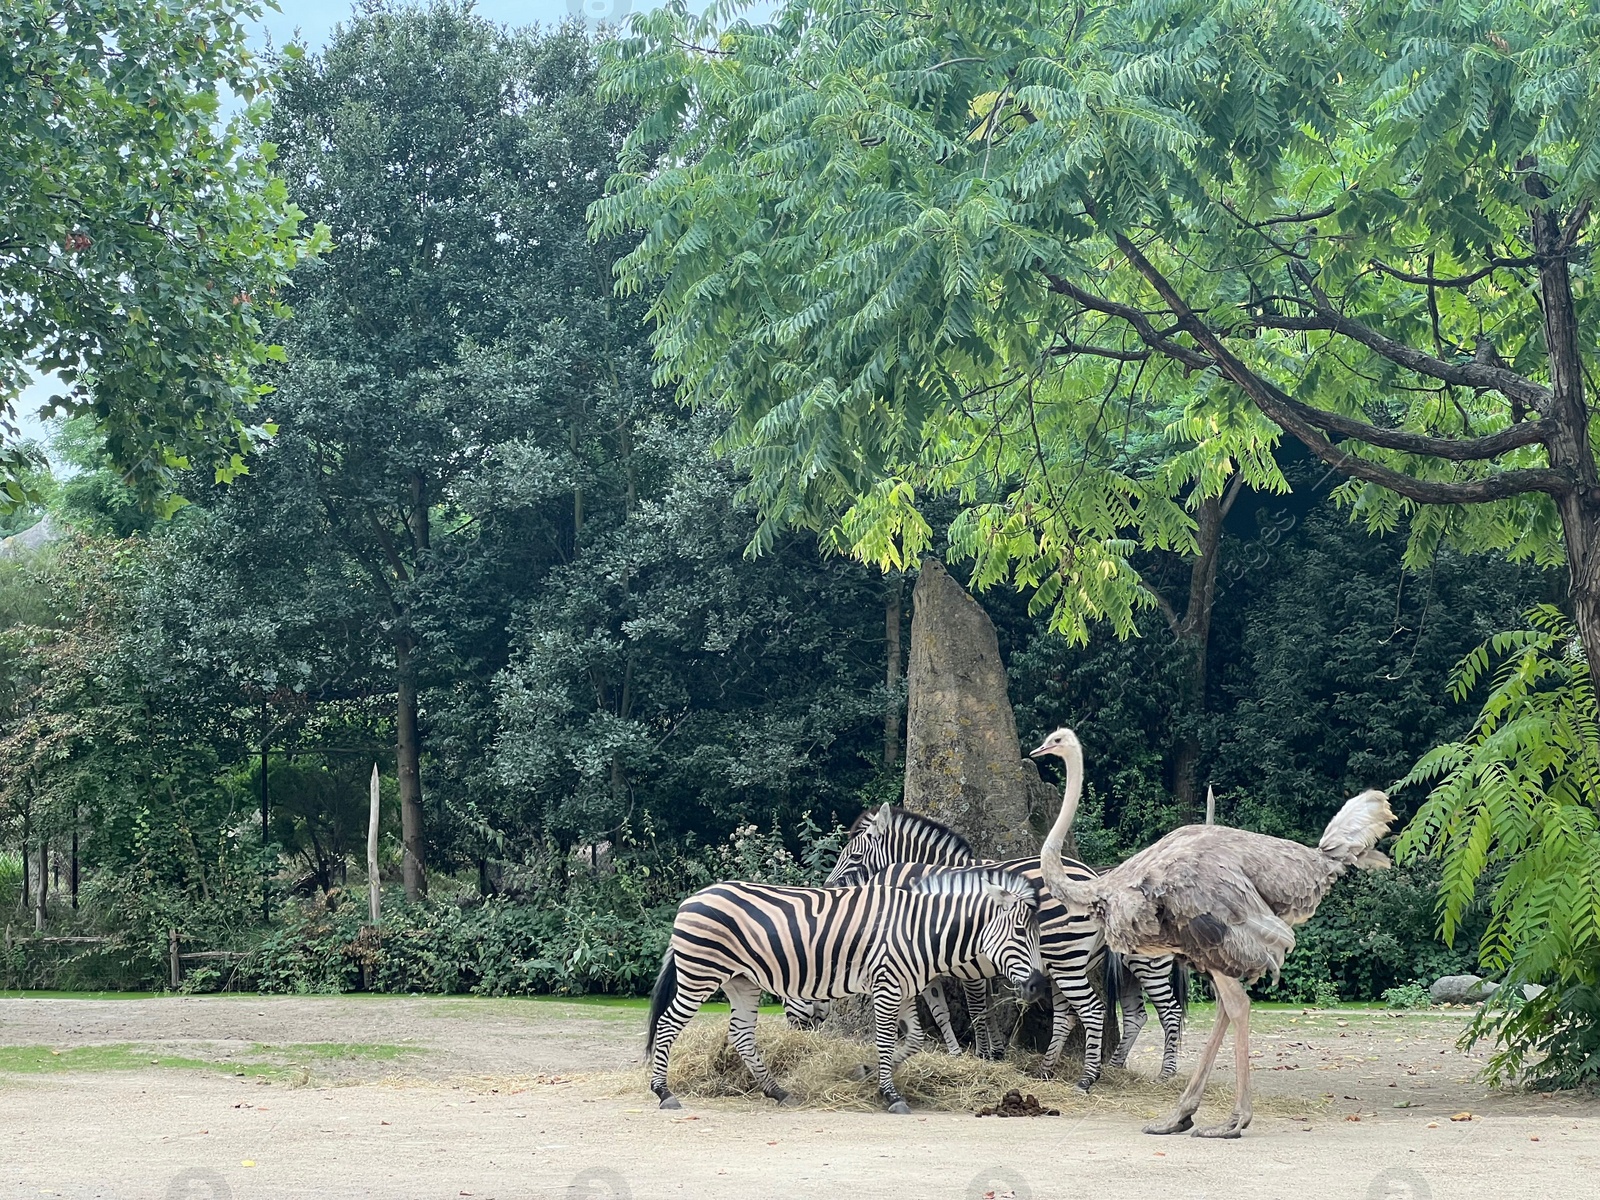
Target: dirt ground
x,y
425,1097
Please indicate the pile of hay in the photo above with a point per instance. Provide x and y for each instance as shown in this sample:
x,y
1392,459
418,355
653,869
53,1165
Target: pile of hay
x,y
816,1068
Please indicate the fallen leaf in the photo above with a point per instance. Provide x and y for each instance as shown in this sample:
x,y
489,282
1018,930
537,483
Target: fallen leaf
x,y
1534,1138
1463,1116
1353,1117
247,1162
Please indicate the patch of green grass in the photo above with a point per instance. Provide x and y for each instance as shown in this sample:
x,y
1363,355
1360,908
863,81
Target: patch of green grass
x,y
339,1051
289,1062
44,1060
49,995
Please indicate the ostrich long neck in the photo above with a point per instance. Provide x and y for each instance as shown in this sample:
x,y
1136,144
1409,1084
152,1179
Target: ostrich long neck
x,y
1055,878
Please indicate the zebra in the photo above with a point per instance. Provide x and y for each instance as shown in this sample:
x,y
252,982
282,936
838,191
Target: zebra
x,y
823,943
1071,945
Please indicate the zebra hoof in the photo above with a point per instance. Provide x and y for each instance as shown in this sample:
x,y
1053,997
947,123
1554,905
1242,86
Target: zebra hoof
x,y
1166,1076
670,1102
1045,1073
1085,1082
785,1100
857,1074
1120,1064
900,1107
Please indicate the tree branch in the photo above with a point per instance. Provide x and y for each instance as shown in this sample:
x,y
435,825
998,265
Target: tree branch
x,y
1294,417
1468,374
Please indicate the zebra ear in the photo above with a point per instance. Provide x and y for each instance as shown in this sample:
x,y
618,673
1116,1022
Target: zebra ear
x,y
881,819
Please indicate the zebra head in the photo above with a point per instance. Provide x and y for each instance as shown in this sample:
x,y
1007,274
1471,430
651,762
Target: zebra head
x,y
867,852
1007,915
880,838
1010,935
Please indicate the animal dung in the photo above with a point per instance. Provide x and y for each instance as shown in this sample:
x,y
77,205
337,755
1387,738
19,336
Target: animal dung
x,y
1015,1104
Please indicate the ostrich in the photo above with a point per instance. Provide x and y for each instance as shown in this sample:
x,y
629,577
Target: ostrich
x,y
1223,898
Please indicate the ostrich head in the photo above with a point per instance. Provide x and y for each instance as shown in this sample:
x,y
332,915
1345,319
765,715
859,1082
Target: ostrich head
x,y
1062,743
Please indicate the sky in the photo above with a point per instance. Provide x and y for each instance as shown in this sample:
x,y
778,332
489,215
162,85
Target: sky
x,y
311,22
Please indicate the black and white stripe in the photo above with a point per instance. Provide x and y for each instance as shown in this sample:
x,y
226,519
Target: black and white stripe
x,y
819,944
1073,947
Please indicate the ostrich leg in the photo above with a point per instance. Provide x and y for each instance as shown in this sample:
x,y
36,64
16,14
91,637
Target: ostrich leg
x,y
1231,992
1182,1117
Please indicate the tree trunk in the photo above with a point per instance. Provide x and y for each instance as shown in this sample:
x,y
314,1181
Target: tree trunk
x,y
266,838
41,911
1570,446
893,614
1193,633
72,878
25,900
407,755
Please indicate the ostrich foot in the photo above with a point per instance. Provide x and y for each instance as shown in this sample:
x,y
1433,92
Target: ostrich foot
x,y
1176,1123
1232,1129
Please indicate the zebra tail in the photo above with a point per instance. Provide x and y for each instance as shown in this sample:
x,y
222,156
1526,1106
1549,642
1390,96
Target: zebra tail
x,y
1180,984
662,995
1114,973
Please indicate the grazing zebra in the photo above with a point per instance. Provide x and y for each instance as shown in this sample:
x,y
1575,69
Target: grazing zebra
x,y
823,943
1071,946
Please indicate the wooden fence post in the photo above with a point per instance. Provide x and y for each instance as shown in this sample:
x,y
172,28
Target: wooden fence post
x,y
177,963
374,892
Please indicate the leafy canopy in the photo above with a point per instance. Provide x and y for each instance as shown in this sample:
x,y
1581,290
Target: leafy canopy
x,y
1078,266
143,237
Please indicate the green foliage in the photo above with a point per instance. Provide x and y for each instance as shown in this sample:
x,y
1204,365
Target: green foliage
x,y
1516,800
1407,995
898,247
146,239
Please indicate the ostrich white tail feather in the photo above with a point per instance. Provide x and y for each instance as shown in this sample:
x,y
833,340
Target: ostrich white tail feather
x,y
1356,828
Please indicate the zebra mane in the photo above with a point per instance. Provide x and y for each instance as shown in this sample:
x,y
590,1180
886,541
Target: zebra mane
x,y
971,881
905,818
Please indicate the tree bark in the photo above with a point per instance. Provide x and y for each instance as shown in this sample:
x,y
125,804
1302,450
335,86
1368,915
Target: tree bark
x,y
1193,633
893,615
408,768
41,911
1569,444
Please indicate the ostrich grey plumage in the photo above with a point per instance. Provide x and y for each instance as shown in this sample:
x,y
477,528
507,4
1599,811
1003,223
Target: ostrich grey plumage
x,y
1223,898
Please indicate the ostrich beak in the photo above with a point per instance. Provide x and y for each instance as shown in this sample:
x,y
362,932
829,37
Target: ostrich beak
x,y
1040,752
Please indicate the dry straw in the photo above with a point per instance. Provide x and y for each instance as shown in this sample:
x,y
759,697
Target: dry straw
x,y
817,1070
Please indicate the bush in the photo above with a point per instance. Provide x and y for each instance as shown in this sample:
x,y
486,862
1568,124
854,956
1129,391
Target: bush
x,y
1407,995
1373,932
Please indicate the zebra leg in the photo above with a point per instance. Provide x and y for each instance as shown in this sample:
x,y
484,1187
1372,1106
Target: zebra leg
x,y
985,1043
685,1003
1155,977
940,1008
1089,1009
1060,1030
912,1023
1130,999
888,1005
744,998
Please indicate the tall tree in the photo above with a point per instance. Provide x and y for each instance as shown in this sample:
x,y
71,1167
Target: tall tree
x,y
144,238
1024,234
460,320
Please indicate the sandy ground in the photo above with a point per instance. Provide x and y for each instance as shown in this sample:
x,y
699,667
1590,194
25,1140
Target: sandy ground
x,y
522,1099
